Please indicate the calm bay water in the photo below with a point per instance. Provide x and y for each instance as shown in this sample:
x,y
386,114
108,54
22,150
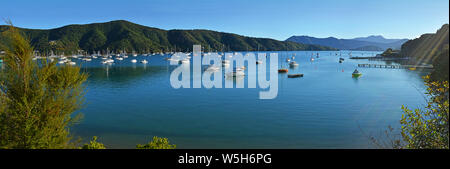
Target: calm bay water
x,y
128,104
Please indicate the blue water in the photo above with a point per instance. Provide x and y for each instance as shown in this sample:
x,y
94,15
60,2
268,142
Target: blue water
x,y
128,104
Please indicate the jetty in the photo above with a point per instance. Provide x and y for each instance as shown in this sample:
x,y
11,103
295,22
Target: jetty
x,y
381,58
395,66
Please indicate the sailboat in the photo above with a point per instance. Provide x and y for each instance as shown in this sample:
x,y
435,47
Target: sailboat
x,y
293,64
283,70
235,73
312,57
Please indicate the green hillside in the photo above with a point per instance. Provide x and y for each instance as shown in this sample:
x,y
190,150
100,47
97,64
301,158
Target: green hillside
x,y
123,35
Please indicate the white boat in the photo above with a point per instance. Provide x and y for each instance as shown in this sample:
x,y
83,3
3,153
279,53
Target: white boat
x,y
225,63
235,73
212,68
293,64
71,63
312,59
185,61
288,60
119,58
144,61
241,68
133,61
110,61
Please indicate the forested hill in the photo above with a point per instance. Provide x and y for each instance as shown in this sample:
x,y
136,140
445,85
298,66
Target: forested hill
x,y
124,35
430,48
427,47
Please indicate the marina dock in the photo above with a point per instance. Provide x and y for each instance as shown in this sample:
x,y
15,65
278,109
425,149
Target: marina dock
x,y
395,66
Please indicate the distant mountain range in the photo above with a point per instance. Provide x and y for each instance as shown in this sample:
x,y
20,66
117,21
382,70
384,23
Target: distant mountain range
x,y
373,43
124,35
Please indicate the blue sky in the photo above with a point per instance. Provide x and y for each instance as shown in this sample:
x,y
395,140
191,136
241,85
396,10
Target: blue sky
x,y
278,19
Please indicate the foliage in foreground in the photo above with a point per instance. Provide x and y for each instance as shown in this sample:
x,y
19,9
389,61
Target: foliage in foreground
x,y
428,128
93,144
36,99
157,143
425,128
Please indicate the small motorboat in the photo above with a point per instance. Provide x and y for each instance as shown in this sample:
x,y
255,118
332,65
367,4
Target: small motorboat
x,y
283,70
119,58
288,60
185,61
293,64
356,74
144,61
212,68
312,59
235,73
133,61
225,63
241,68
295,75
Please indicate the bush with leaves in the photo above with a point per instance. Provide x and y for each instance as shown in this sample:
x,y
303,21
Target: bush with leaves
x,y
37,99
428,128
157,143
93,144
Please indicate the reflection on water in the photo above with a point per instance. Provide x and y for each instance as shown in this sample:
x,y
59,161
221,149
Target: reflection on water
x,y
130,103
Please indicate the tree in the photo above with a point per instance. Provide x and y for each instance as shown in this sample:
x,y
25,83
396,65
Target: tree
x,y
428,128
37,99
157,143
